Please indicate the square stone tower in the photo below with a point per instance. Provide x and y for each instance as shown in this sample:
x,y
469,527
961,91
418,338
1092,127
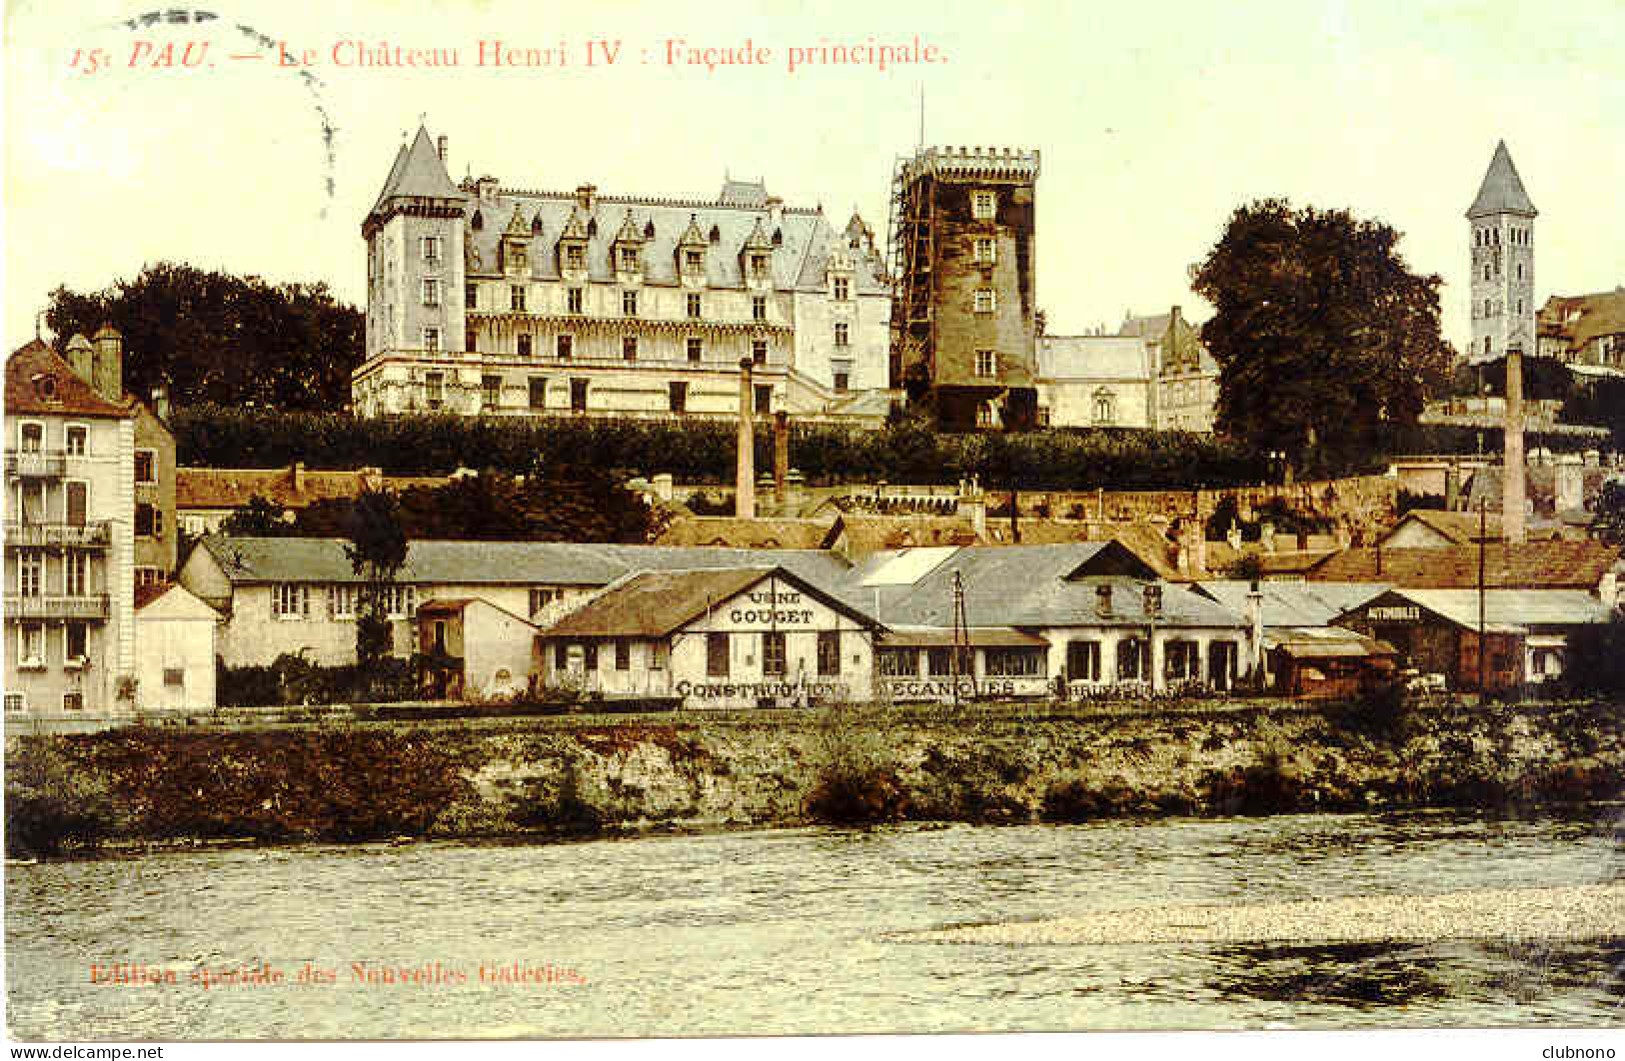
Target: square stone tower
x,y
1502,223
963,329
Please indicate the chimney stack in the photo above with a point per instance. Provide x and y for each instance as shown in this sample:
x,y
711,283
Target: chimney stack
x,y
81,358
1570,483
109,374
745,464
1255,626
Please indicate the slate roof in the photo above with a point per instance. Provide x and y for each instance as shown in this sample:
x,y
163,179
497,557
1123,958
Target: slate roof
x,y
41,383
418,173
1502,189
1293,604
1083,358
235,487
1511,610
730,531
1033,585
806,244
1532,565
258,560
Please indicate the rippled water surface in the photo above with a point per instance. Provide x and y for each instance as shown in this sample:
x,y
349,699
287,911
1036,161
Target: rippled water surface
x,y
790,932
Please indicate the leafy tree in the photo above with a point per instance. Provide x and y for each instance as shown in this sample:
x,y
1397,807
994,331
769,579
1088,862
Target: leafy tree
x,y
1601,402
214,337
1544,379
1596,658
1609,521
259,519
377,552
1325,339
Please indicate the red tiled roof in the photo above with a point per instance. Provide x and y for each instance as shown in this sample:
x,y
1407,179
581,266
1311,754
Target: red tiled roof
x,y
234,487
735,533
38,382
1532,565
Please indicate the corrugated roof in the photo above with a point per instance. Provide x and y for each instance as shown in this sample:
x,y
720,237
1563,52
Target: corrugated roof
x,y
1550,564
1502,190
40,383
945,637
655,603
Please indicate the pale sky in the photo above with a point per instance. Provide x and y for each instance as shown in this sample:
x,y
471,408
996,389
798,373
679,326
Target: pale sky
x,y
1155,120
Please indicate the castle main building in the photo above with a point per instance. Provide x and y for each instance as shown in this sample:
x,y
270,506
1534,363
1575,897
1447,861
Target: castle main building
x,y
483,299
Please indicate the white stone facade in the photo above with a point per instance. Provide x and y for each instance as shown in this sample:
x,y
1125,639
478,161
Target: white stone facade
x,y
486,300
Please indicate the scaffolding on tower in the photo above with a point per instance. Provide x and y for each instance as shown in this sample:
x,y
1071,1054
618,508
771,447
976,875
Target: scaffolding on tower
x,y
910,248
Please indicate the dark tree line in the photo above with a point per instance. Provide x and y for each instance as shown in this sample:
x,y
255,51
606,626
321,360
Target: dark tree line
x,y
565,504
214,337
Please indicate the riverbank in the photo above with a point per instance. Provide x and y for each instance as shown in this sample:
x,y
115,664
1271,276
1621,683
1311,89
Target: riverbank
x,y
589,776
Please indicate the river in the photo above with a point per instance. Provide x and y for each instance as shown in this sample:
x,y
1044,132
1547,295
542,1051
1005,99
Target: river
x,y
791,931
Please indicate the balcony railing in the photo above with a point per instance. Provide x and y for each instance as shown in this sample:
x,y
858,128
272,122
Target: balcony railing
x,y
37,464
56,606
75,535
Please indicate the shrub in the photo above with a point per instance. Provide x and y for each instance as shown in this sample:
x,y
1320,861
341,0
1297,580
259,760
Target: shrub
x,y
50,805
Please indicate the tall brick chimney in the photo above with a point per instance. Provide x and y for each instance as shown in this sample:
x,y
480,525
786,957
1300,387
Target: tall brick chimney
x,y
781,455
1513,490
745,462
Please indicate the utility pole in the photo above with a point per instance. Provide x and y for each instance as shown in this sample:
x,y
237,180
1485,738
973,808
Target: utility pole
x,y
961,649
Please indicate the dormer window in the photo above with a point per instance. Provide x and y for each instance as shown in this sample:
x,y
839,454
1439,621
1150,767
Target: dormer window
x,y
758,266
648,230
575,256
778,237
843,289
716,234
629,259
693,261
476,222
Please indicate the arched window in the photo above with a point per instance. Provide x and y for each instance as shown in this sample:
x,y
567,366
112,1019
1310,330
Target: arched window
x,y
1105,407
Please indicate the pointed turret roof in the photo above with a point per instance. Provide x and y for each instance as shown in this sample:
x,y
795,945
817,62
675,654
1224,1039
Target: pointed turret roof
x,y
1502,191
418,173
516,224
